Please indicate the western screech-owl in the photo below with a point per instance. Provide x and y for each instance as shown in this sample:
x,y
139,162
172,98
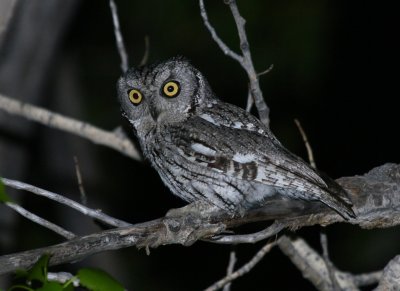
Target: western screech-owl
x,y
205,149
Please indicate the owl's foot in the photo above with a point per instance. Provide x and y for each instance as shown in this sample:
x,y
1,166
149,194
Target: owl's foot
x,y
201,209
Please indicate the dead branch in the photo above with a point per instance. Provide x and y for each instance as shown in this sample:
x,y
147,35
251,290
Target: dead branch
x,y
96,214
244,60
96,135
118,37
391,276
39,220
244,269
376,198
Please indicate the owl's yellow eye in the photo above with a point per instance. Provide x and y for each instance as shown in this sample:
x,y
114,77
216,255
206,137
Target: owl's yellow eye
x,y
135,96
171,89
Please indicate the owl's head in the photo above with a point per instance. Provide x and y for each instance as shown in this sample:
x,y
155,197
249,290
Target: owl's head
x,y
162,93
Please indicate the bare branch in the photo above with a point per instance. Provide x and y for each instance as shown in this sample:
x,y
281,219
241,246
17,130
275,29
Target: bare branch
x,y
266,71
306,143
311,265
243,270
329,265
225,49
375,196
118,37
41,221
58,121
270,231
146,54
391,276
80,182
250,102
244,60
229,271
367,279
66,201
247,64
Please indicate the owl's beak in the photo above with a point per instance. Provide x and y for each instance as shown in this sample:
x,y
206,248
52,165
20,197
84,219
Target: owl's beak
x,y
154,112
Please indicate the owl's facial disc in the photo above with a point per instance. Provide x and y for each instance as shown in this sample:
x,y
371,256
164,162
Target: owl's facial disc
x,y
170,89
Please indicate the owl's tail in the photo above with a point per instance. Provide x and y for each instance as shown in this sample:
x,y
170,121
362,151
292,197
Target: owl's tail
x,y
338,198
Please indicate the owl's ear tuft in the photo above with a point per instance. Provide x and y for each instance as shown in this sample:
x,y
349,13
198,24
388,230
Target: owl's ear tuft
x,y
180,58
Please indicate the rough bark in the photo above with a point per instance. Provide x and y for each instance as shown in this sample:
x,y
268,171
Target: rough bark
x,y
376,198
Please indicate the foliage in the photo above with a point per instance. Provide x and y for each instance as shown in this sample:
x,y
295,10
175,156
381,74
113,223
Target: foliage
x,y
89,278
3,196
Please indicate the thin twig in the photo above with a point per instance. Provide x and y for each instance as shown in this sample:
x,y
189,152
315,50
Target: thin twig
x,y
329,265
244,60
146,54
118,37
80,182
66,201
269,69
225,49
247,64
250,102
307,144
58,121
272,230
41,221
229,271
243,270
367,279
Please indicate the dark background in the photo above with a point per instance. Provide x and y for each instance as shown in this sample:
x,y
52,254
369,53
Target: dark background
x,y
335,69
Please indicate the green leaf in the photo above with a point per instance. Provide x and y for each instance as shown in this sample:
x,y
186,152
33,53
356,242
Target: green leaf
x,y
51,286
69,287
98,280
39,270
3,196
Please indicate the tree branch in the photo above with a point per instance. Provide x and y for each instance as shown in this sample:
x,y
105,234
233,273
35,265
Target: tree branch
x,y
96,214
229,270
391,276
244,269
118,37
41,221
244,60
94,134
375,195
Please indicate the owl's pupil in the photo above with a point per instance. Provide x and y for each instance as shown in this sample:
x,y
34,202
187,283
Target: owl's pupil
x,y
170,88
135,96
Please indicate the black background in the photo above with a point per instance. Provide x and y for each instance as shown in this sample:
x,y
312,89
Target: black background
x,y
335,69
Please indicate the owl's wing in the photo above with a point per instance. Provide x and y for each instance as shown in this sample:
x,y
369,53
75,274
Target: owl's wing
x,y
251,153
231,117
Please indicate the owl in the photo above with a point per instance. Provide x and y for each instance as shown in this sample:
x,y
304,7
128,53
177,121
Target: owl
x,y
209,151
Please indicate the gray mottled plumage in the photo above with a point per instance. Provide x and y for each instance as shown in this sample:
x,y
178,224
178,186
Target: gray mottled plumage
x,y
209,150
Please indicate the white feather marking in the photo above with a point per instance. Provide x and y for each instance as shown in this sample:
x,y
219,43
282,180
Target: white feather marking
x,y
238,124
202,149
243,158
208,118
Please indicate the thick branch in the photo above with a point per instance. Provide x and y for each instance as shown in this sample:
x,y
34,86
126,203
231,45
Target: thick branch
x,y
391,276
314,268
376,197
94,134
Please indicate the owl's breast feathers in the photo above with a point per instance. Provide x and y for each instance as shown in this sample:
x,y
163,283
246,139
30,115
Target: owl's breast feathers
x,y
244,151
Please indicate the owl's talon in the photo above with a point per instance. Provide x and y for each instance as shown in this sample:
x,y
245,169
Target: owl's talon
x,y
199,209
